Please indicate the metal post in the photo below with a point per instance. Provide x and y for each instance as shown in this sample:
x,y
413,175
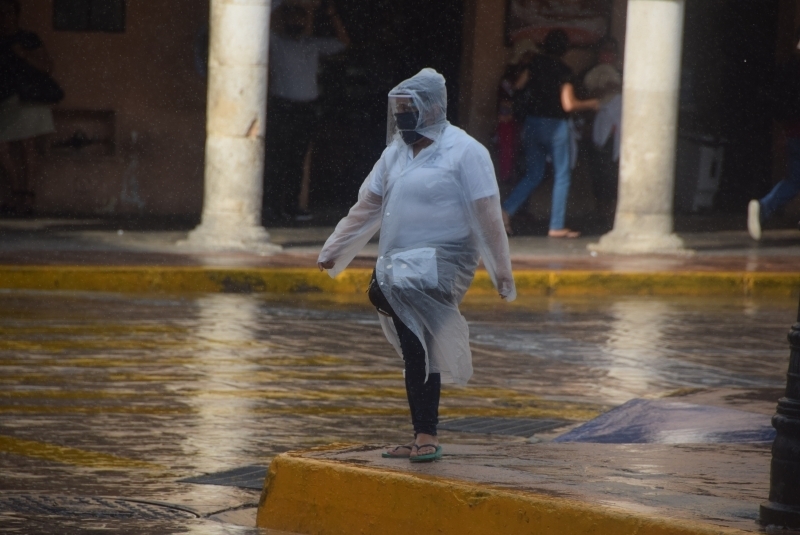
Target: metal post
x,y
783,507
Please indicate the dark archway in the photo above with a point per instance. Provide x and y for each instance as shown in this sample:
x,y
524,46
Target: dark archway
x,y
728,67
391,42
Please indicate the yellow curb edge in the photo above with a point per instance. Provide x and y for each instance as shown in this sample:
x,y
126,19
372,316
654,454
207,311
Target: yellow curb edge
x,y
192,279
324,497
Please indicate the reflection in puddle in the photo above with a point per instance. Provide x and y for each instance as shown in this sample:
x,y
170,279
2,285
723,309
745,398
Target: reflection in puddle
x,y
225,328
632,349
621,349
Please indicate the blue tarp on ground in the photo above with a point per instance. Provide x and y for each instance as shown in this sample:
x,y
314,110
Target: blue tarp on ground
x,y
664,421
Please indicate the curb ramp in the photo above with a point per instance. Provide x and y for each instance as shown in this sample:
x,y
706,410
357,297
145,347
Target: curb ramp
x,y
322,497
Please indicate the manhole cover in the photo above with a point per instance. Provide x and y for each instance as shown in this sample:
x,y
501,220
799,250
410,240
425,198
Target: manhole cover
x,y
518,427
87,507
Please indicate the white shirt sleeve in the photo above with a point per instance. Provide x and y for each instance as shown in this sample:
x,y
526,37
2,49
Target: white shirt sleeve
x,y
477,172
377,177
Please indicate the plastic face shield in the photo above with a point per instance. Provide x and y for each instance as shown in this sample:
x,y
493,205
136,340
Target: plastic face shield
x,y
400,106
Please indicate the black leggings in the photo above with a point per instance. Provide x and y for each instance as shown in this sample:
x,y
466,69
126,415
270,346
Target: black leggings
x,y
423,396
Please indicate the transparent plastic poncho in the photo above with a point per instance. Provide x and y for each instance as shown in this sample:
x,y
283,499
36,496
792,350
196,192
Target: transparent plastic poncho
x,y
439,214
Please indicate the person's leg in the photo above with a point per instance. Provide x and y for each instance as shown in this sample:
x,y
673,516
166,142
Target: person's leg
x,y
301,133
11,170
278,120
423,396
560,151
788,188
535,159
28,153
784,191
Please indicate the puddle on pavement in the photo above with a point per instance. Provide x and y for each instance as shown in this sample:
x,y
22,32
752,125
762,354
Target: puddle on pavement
x,y
112,395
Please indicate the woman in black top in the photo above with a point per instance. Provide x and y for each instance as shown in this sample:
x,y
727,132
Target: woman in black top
x,y
548,96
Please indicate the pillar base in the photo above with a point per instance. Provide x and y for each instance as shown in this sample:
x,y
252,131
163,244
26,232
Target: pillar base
x,y
771,513
616,242
253,239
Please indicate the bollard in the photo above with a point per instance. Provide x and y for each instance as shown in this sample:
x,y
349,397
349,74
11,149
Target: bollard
x,y
783,507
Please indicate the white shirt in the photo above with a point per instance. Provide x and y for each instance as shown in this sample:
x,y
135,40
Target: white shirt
x,y
294,64
430,186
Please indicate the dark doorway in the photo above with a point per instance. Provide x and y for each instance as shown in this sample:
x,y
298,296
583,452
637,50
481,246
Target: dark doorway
x,y
391,42
728,66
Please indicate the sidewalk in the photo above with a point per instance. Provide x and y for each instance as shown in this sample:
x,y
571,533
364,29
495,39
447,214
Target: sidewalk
x,y
693,486
87,255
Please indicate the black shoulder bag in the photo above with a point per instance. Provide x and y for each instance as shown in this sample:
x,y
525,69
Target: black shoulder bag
x,y
377,298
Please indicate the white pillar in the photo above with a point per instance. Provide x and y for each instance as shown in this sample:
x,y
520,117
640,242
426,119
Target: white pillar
x,y
653,43
235,124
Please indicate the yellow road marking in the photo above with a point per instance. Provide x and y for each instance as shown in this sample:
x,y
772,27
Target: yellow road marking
x,y
58,409
176,279
67,455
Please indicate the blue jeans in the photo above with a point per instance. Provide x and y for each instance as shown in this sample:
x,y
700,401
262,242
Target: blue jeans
x,y
785,190
542,136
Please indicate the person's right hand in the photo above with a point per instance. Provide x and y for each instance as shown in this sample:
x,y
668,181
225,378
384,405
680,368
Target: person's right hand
x,y
328,264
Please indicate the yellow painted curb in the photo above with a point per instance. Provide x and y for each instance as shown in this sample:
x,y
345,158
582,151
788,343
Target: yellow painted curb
x,y
321,497
171,279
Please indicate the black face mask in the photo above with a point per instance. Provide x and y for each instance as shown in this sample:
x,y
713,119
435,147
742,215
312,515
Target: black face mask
x,y
406,120
410,136
406,123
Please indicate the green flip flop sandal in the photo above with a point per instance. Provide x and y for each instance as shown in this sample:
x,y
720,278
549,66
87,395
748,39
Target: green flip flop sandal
x,y
428,457
394,455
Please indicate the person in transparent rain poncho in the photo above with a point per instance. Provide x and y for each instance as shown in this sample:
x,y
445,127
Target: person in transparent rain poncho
x,y
434,197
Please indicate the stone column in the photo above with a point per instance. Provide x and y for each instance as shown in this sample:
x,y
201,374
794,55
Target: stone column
x,y
235,124
483,59
653,43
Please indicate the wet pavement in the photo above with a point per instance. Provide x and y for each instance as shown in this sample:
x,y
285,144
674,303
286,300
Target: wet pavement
x,y
104,395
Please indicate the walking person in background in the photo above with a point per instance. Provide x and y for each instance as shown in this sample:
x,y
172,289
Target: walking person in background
x,y
507,128
291,108
26,93
547,97
786,110
434,197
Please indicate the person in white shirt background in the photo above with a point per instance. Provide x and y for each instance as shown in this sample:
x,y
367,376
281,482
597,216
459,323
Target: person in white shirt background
x,y
294,54
604,82
434,197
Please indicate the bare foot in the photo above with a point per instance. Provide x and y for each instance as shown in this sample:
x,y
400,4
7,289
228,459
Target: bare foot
x,y
425,444
563,233
402,451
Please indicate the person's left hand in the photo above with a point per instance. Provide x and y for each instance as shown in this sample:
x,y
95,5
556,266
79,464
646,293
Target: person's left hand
x,y
504,286
328,264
